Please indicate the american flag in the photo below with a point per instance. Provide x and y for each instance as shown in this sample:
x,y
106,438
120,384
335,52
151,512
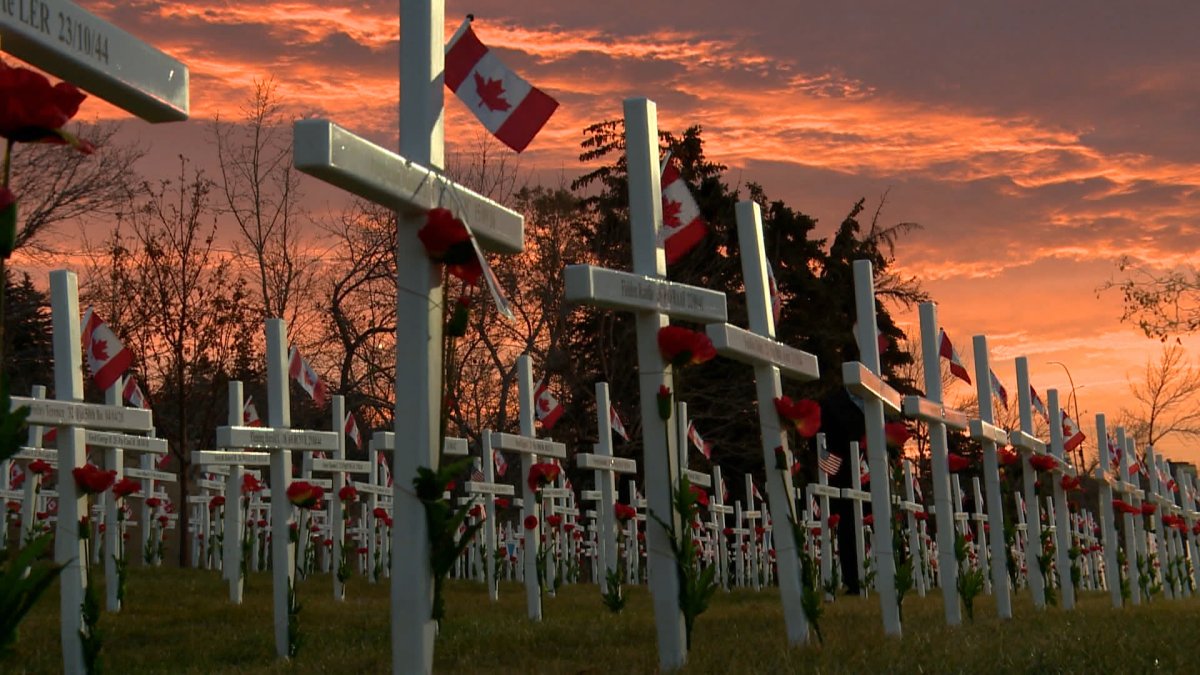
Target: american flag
x,y
773,289
829,462
477,472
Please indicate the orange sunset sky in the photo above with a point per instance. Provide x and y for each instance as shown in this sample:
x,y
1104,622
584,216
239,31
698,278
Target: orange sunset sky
x,y
1035,142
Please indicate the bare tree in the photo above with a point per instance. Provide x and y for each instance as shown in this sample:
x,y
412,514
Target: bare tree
x,y
1160,302
1166,398
259,190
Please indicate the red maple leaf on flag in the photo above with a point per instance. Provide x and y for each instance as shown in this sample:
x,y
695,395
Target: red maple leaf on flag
x,y
100,350
491,93
671,211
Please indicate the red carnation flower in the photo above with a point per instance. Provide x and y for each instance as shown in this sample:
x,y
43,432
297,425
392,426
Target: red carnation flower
x,y
1007,456
957,462
40,466
834,519
34,111
664,402
379,512
304,495
447,241
250,484
126,487
348,494
542,474
554,520
1070,483
728,532
804,415
681,346
623,512
92,480
153,502
700,495
216,502
502,503
1043,462
869,519
896,434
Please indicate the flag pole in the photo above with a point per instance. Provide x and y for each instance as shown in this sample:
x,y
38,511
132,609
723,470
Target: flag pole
x,y
461,29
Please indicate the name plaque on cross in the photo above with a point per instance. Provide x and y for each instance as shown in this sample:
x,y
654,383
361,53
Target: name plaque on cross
x,y
343,465
106,439
150,474
217,457
43,454
210,484
587,460
480,488
372,489
325,150
72,43
625,290
743,345
457,447
555,493
590,496
528,446
698,478
66,413
824,490
263,437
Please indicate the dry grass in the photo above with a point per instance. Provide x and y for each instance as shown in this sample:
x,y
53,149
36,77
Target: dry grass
x,y
178,621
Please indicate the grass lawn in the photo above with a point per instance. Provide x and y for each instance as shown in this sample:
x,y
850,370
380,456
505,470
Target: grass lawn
x,y
179,621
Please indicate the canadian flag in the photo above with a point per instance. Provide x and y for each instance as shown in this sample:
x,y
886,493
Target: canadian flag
x,y
302,372
947,351
1072,435
351,427
1038,404
133,393
756,494
702,445
250,416
511,108
500,462
381,459
999,391
546,407
864,469
618,426
107,357
882,342
683,226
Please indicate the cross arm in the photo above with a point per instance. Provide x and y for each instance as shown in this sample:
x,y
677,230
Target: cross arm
x,y
861,381
587,460
635,292
917,407
742,345
326,151
276,439
986,431
1027,442
528,446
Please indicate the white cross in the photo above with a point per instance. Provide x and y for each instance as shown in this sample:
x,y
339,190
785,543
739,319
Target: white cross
x,y
863,379
758,348
606,466
1062,529
410,183
931,410
719,510
1028,445
1128,486
1155,495
280,440
489,488
530,448
749,516
989,436
857,495
981,531
653,300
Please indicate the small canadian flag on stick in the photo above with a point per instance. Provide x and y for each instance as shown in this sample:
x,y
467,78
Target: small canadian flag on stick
x,y
250,416
511,108
300,371
352,430
107,357
133,393
683,226
546,407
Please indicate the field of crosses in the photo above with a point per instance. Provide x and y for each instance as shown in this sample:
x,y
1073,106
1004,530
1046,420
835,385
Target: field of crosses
x,y
671,576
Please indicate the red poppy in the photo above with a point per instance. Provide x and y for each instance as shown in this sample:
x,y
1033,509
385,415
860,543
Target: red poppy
x,y
304,495
348,494
34,111
957,462
816,531
869,519
362,550
1043,462
664,402
216,502
568,527
502,503
1070,483
126,487
40,466
760,531
623,512
262,522
250,484
13,506
921,515
681,346
447,241
92,480
379,512
542,474
451,485
163,520
700,495
153,502
328,543
804,415
896,434
833,521
531,522
554,520
1148,509
1007,456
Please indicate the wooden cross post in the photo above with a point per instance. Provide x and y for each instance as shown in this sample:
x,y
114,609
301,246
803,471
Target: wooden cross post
x,y
340,467
750,515
235,527
33,451
530,448
280,440
1062,529
411,183
489,489
719,510
72,417
981,531
990,436
911,507
1135,540
1028,445
653,299
864,380
376,492
937,417
606,467
1155,495
769,358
